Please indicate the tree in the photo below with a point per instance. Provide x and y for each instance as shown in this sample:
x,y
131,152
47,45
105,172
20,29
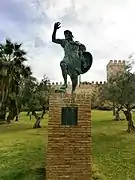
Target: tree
x,y
12,72
43,92
36,97
42,95
97,99
121,90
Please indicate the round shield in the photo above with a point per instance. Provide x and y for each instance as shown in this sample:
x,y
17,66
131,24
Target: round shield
x,y
88,61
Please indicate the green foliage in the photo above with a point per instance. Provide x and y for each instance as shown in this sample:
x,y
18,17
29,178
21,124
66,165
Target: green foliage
x,y
35,95
121,89
18,87
12,72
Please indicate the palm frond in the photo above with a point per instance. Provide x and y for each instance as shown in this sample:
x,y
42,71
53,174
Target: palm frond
x,y
17,46
8,47
26,71
19,53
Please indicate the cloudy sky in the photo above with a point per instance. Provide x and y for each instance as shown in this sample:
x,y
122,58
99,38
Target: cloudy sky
x,y
106,27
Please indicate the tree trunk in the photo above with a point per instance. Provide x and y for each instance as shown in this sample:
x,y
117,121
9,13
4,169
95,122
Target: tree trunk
x,y
4,96
28,113
130,123
38,119
37,123
114,108
30,117
12,111
117,115
17,109
3,92
2,112
131,126
18,112
16,118
44,110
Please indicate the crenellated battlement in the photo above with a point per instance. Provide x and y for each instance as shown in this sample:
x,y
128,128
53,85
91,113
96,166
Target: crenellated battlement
x,y
81,84
116,63
58,83
83,87
93,83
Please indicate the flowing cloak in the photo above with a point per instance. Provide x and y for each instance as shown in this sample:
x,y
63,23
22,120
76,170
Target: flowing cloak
x,y
77,61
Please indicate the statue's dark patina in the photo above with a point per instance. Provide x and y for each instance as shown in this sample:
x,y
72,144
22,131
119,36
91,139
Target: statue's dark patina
x,y
76,60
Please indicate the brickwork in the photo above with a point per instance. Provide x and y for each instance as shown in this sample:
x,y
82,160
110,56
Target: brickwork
x,y
69,148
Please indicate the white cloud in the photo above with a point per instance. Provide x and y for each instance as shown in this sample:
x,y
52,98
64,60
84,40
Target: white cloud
x,y
106,27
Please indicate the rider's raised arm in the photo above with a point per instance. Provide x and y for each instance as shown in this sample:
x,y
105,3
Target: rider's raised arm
x,y
54,39
57,41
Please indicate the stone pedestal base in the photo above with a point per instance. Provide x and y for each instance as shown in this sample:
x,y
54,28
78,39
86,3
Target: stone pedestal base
x,y
69,147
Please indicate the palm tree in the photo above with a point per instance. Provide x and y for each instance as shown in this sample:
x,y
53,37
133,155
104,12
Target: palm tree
x,y
12,72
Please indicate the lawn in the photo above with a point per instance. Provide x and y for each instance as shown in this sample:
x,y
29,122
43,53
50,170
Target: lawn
x,y
22,149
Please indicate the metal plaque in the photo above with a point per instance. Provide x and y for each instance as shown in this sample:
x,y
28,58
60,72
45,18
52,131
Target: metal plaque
x,y
69,116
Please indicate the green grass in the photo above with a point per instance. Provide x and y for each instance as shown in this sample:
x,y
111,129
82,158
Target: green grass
x,y
113,148
22,149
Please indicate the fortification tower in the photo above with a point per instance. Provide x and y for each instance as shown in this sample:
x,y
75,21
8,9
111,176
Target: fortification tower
x,y
114,67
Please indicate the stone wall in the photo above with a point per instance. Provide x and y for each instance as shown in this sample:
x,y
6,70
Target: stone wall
x,y
114,67
69,147
84,87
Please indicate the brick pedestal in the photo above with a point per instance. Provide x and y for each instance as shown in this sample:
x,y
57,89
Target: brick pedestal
x,y
69,147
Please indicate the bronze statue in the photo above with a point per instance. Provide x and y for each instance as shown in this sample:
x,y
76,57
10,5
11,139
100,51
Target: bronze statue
x,y
76,60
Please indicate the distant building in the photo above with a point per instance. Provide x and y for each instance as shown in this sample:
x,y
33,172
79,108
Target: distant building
x,y
115,67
